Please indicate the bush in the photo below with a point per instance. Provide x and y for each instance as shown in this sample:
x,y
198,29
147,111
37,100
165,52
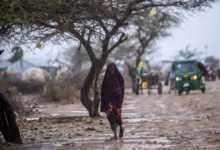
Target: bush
x,y
31,86
16,101
54,91
14,97
76,77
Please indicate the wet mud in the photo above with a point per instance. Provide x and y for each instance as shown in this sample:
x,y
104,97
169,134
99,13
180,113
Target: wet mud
x,y
167,121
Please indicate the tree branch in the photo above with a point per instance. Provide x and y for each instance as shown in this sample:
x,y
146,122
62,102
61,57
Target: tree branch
x,y
121,40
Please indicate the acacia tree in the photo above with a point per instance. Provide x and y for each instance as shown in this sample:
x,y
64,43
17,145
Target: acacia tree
x,y
77,56
89,22
148,32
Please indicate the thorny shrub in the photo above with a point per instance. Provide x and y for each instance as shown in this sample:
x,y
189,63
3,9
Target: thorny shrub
x,y
55,91
31,86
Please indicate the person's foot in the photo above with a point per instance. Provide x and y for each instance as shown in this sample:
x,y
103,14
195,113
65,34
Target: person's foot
x,y
121,132
114,138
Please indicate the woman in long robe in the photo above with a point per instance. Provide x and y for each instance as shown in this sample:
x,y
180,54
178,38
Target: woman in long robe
x,y
112,94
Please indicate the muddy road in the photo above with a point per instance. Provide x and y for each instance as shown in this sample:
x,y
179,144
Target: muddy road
x,y
168,121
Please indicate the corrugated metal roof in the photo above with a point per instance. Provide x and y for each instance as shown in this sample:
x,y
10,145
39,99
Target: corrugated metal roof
x,y
24,64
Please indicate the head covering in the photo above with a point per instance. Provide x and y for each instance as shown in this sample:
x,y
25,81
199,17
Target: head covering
x,y
141,64
112,89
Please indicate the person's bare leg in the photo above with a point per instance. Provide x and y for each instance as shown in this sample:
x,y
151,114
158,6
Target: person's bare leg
x,y
121,133
115,137
113,124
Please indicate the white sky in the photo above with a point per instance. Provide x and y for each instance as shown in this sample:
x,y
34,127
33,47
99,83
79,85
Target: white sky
x,y
197,31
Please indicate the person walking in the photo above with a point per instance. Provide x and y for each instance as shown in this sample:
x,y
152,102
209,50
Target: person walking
x,y
112,95
172,78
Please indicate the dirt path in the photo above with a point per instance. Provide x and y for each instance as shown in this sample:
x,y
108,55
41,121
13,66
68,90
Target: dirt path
x,y
167,121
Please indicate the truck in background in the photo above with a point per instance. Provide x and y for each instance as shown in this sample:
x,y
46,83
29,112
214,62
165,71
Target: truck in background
x,y
212,72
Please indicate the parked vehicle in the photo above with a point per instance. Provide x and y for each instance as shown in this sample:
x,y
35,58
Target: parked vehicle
x,y
189,76
212,72
149,81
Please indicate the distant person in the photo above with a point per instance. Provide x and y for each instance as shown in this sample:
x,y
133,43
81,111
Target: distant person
x,y
171,77
139,70
139,73
218,73
112,94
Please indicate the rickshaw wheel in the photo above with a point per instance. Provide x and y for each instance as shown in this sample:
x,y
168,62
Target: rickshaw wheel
x,y
160,88
203,90
179,92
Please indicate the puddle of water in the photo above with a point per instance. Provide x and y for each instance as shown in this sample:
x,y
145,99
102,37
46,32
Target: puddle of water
x,y
84,140
131,114
196,99
210,146
129,108
135,120
78,111
149,146
54,115
161,105
32,119
175,121
136,146
160,140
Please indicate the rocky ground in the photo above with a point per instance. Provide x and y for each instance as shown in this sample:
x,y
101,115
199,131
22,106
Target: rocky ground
x,y
167,121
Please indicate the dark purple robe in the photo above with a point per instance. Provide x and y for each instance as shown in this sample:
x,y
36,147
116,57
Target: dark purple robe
x,y
112,89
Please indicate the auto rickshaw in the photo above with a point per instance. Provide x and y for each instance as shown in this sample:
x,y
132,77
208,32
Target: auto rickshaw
x,y
190,76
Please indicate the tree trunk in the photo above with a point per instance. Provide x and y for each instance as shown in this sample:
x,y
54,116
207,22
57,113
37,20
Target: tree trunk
x,y
131,72
138,60
96,100
84,93
92,105
8,124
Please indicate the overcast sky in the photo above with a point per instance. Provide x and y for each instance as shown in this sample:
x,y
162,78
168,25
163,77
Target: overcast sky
x,y
197,31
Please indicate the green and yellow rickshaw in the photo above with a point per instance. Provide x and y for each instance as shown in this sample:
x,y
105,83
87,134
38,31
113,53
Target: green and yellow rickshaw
x,y
189,76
